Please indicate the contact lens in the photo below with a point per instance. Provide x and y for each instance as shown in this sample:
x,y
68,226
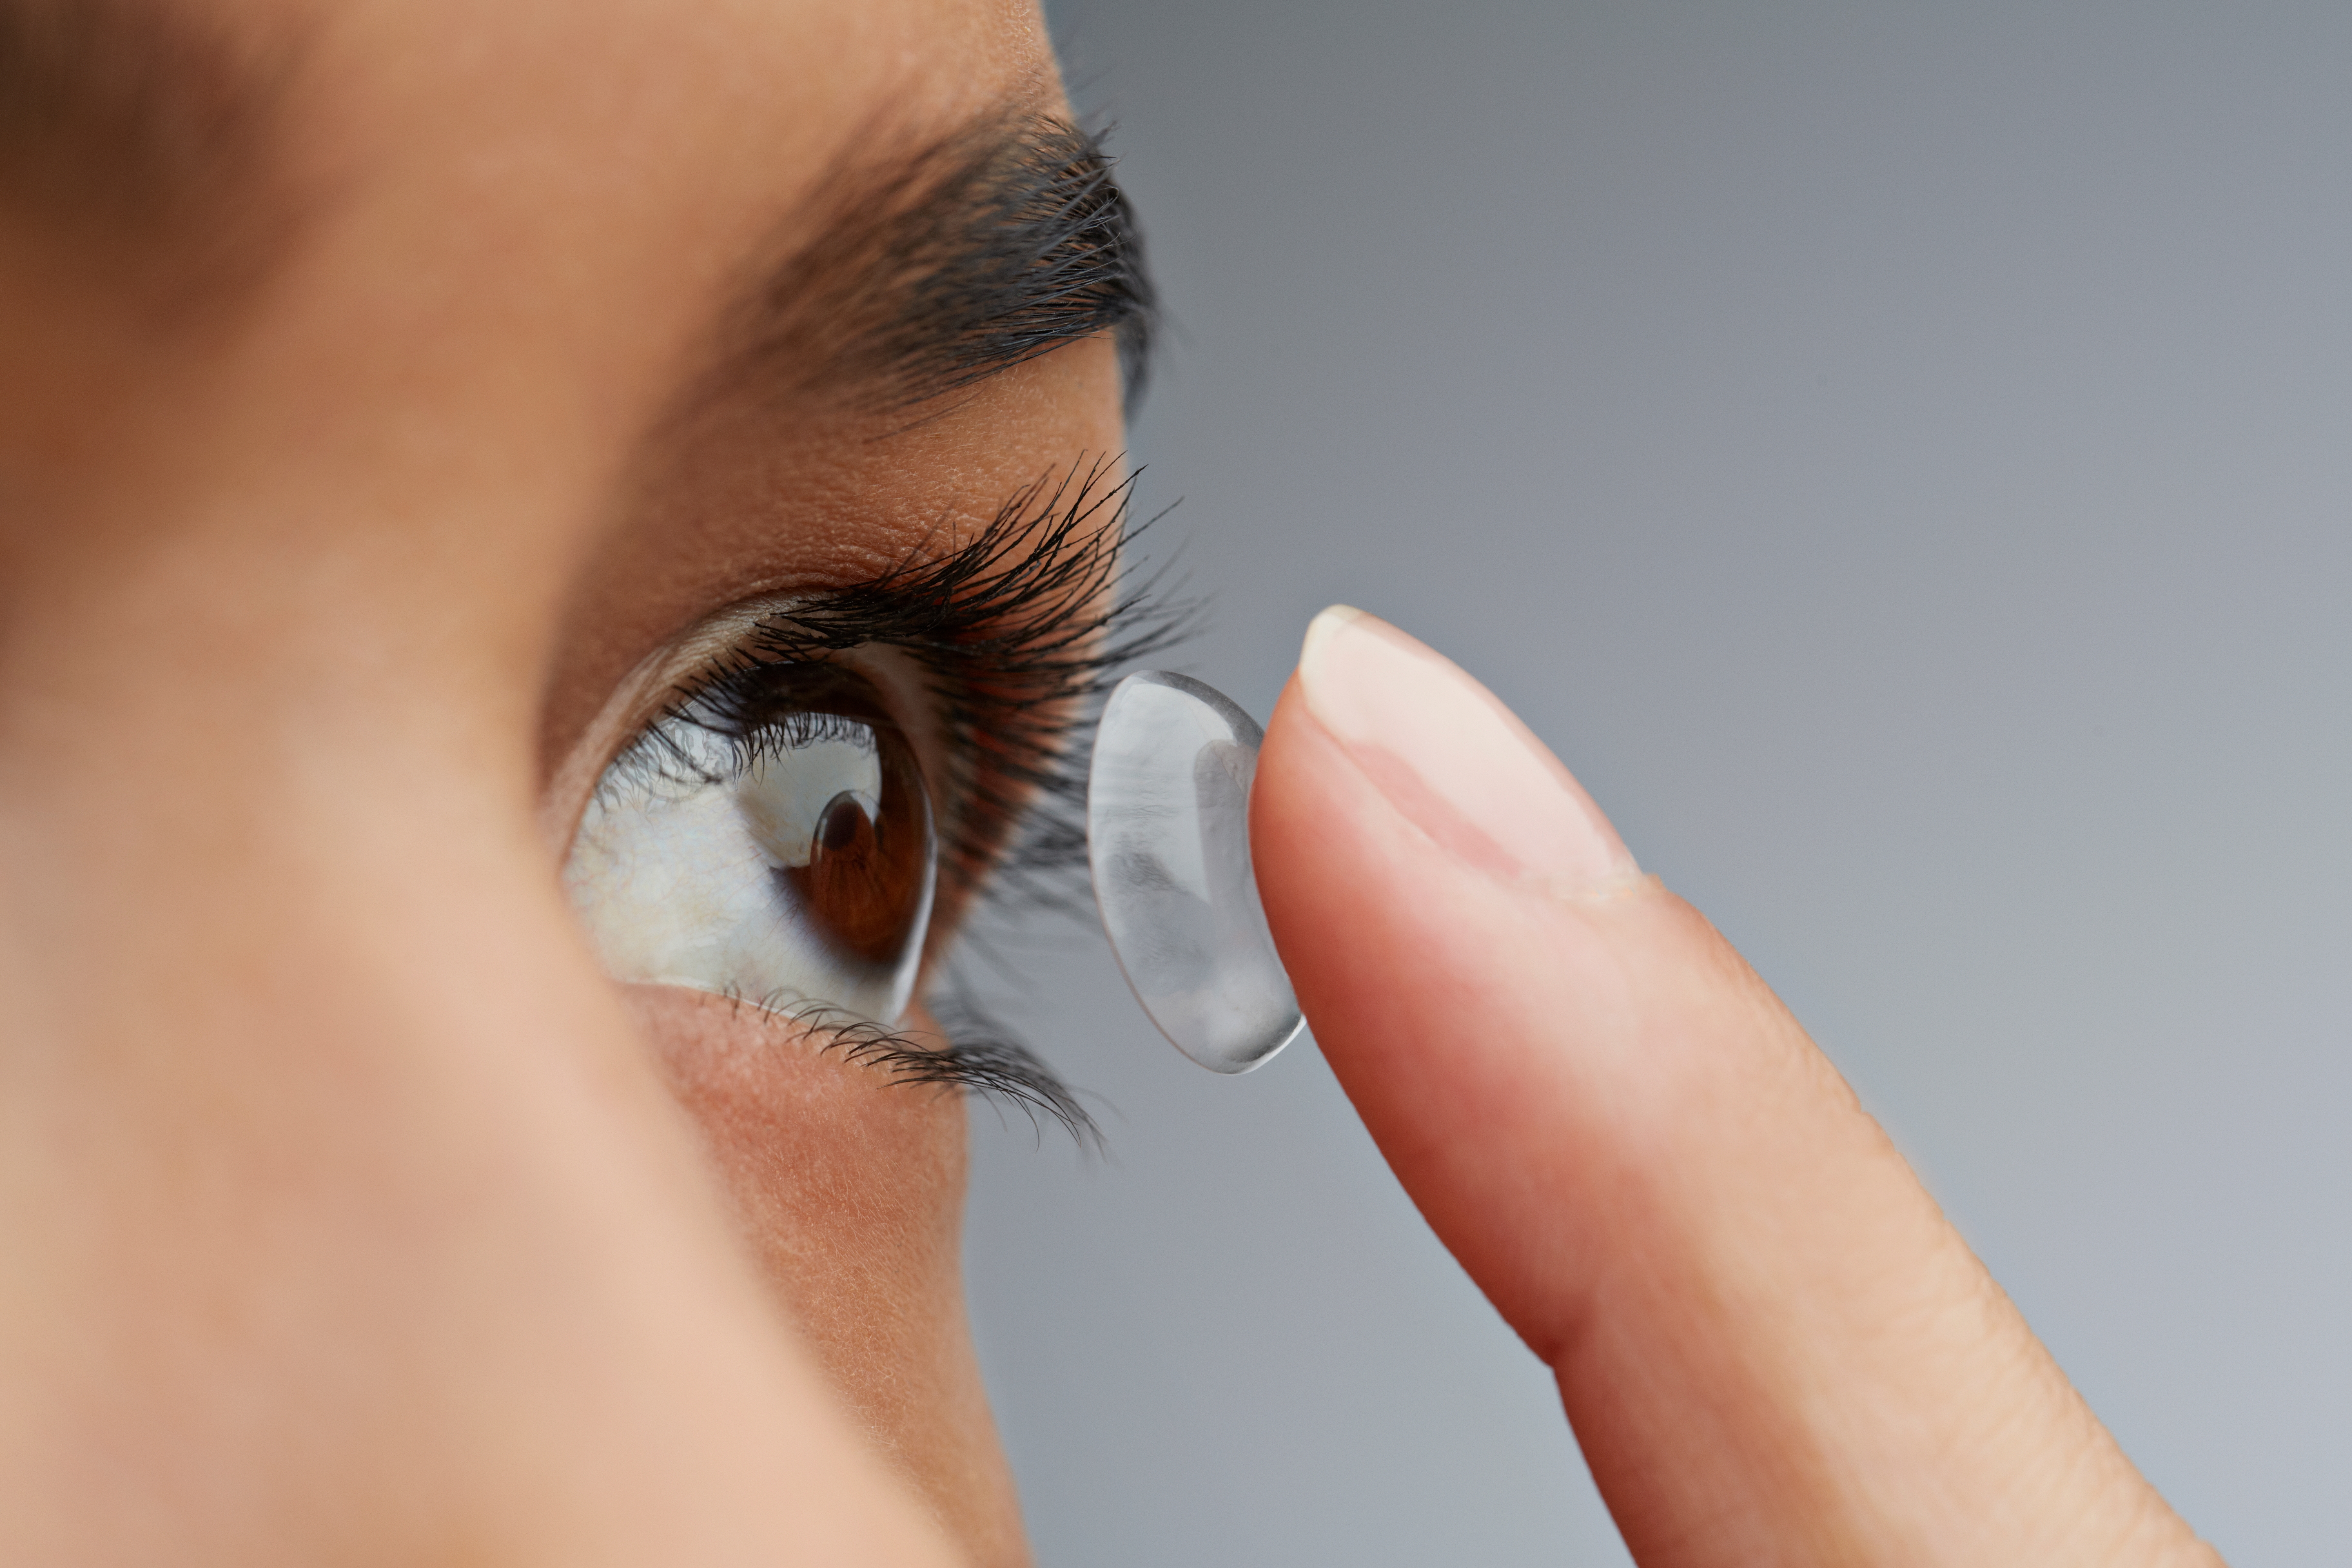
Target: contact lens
x,y
1168,841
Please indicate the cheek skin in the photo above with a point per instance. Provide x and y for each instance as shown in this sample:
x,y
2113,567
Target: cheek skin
x,y
849,1193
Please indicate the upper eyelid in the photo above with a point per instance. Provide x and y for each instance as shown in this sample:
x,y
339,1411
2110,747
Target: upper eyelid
x,y
1014,630
650,691
664,678
899,696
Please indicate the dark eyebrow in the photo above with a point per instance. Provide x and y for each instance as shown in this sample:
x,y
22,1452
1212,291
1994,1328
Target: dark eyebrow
x,y
937,268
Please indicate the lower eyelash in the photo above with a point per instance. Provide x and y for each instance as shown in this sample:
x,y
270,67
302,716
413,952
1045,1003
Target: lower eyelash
x,y
973,1055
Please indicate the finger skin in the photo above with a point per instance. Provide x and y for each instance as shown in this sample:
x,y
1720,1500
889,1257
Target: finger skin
x,y
1771,1344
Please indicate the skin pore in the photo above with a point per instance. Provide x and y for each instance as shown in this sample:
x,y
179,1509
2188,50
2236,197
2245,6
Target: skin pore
x,y
319,568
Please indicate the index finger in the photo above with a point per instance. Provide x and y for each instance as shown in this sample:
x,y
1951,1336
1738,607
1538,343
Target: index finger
x,y
1771,1343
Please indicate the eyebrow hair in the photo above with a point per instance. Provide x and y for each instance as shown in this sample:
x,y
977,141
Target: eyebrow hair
x,y
941,267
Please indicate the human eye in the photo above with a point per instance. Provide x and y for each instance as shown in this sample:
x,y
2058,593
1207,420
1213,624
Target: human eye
x,y
830,783
769,838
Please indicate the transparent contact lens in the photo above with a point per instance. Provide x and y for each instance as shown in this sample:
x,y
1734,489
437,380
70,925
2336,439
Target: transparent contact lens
x,y
1168,840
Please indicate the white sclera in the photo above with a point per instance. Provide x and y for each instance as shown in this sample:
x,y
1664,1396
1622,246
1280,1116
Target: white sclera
x,y
676,873
1168,840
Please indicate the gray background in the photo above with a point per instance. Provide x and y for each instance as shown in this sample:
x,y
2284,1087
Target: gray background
x,y
1898,457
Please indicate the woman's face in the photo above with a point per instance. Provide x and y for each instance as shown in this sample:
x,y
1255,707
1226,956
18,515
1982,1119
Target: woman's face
x,y
408,399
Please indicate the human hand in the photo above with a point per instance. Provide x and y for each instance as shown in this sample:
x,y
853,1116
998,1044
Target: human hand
x,y
1771,1344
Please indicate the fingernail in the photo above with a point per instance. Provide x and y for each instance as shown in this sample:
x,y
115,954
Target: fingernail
x,y
1453,759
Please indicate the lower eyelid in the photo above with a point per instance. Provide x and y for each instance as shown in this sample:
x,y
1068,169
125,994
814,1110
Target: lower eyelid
x,y
969,1058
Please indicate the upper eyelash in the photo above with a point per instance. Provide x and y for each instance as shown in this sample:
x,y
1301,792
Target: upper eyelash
x,y
1018,631
658,753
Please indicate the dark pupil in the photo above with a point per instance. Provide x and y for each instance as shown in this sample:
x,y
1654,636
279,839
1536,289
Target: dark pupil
x,y
845,823
863,885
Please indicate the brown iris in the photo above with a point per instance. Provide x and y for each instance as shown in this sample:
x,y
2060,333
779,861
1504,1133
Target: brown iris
x,y
837,799
867,872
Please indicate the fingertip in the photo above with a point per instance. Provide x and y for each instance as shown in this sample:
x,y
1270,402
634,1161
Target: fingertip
x,y
1766,1333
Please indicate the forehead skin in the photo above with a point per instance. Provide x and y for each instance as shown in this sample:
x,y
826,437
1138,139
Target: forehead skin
x,y
354,542
476,189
